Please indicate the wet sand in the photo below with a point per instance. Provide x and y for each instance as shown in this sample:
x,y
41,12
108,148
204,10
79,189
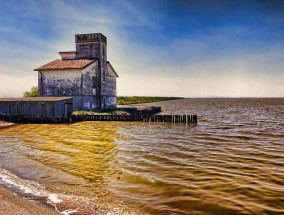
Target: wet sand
x,y
13,204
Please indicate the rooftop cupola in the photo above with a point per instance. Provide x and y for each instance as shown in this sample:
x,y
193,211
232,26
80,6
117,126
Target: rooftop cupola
x,y
67,55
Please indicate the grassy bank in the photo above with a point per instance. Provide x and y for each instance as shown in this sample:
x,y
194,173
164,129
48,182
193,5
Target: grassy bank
x,y
121,100
126,100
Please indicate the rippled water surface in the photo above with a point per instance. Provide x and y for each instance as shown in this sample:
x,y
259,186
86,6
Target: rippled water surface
x,y
232,162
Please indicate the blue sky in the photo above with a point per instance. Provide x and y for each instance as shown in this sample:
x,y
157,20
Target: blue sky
x,y
193,48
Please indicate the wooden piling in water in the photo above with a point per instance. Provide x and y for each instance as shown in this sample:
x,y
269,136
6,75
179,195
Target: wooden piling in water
x,y
175,119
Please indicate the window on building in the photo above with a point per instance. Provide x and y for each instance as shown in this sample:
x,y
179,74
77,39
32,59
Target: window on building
x,y
94,82
104,75
105,105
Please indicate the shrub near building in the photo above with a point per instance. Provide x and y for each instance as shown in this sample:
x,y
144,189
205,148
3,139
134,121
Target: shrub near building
x,y
32,93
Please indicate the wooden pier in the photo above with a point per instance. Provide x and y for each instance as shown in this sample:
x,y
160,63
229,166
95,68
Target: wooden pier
x,y
59,110
179,119
34,120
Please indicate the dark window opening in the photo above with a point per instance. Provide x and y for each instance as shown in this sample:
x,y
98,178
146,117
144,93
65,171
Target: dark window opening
x,y
94,82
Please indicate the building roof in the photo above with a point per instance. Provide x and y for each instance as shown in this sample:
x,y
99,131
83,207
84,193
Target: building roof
x,y
66,64
34,99
111,67
68,52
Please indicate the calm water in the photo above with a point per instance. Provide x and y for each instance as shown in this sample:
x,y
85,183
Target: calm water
x,y
232,162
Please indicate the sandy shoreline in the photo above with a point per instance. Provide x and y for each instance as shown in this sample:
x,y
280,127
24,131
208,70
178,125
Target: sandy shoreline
x,y
13,204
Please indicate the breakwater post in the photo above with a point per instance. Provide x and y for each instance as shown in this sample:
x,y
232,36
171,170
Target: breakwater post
x,y
176,119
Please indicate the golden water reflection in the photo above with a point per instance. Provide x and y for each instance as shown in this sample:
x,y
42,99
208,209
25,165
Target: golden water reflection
x,y
85,150
230,163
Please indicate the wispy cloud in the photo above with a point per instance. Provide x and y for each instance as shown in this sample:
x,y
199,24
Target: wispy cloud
x,y
155,51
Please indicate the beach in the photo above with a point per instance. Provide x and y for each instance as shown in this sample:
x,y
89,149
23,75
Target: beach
x,y
13,204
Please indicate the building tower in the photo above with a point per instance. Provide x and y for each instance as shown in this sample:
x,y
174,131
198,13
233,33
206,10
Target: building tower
x,y
94,46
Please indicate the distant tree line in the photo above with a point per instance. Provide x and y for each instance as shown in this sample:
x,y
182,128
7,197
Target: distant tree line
x,y
126,100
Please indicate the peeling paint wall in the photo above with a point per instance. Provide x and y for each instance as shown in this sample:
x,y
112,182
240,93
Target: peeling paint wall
x,y
88,50
88,77
89,85
109,90
60,83
80,84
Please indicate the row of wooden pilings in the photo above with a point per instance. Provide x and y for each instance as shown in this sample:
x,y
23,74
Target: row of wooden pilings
x,y
182,119
27,119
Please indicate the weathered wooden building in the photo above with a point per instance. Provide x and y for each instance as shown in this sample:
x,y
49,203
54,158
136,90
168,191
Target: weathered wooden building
x,y
36,109
84,74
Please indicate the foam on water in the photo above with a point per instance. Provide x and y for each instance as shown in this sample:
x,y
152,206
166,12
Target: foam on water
x,y
37,191
20,185
54,199
63,204
69,212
